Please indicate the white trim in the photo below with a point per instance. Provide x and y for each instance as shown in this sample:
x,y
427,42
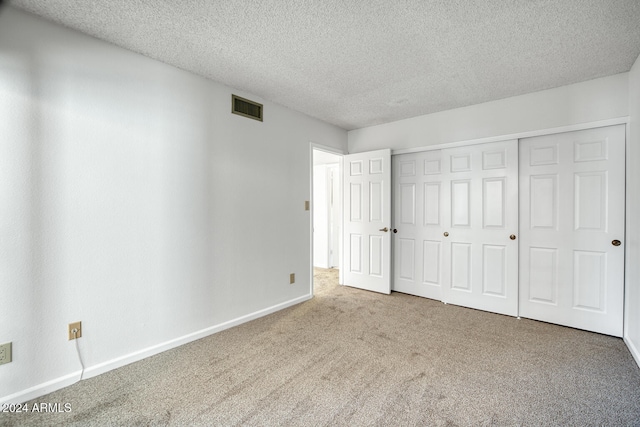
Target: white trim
x,y
628,262
635,352
67,380
520,135
627,228
41,389
341,261
332,150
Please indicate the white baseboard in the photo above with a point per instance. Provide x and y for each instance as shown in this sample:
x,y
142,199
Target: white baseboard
x,y
92,371
41,389
635,352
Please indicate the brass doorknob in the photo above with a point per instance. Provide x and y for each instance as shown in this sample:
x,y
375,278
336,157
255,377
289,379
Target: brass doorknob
x,y
616,243
384,229
512,237
446,234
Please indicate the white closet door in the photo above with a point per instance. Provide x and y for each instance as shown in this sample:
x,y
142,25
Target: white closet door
x,y
572,190
417,246
469,194
480,212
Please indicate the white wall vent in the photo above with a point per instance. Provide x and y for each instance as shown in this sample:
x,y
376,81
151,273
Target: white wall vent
x,y
246,108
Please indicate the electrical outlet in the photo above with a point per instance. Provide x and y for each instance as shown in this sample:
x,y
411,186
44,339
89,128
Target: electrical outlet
x,y
292,278
5,353
75,330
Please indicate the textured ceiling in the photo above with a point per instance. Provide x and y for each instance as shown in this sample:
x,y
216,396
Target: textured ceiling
x,y
359,63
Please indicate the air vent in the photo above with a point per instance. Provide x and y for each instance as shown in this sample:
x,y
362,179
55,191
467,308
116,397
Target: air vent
x,y
246,108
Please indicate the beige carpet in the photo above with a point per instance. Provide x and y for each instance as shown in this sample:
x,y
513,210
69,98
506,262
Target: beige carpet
x,y
351,357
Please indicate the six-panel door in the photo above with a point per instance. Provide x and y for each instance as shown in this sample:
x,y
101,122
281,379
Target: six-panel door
x,y
367,220
480,207
572,219
417,245
455,211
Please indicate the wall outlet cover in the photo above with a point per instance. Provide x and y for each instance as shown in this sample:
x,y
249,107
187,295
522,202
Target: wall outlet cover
x,y
78,327
5,353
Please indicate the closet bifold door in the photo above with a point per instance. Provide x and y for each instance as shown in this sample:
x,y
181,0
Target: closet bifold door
x,y
418,228
572,190
480,218
456,212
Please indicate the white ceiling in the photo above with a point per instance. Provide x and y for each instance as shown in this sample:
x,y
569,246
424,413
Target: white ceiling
x,y
357,63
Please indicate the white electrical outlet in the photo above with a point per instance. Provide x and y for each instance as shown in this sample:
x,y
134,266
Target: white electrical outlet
x,y
5,353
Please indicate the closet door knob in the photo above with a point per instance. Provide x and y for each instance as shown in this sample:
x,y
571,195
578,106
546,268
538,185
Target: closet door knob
x,y
384,229
446,234
512,237
616,243
395,230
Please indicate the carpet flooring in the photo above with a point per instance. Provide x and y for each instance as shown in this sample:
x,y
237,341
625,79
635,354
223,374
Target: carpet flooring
x,y
352,357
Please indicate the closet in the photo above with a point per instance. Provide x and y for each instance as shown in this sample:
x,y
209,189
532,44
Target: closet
x,y
531,227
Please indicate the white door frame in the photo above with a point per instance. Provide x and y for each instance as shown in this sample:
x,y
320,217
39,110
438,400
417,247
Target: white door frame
x,y
331,150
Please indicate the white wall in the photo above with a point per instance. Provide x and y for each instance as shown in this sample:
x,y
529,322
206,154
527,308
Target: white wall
x,y
632,278
132,200
590,101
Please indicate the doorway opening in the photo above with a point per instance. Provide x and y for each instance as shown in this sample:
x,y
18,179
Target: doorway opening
x,y
326,205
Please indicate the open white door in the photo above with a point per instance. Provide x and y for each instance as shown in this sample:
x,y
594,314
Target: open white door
x,y
367,220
